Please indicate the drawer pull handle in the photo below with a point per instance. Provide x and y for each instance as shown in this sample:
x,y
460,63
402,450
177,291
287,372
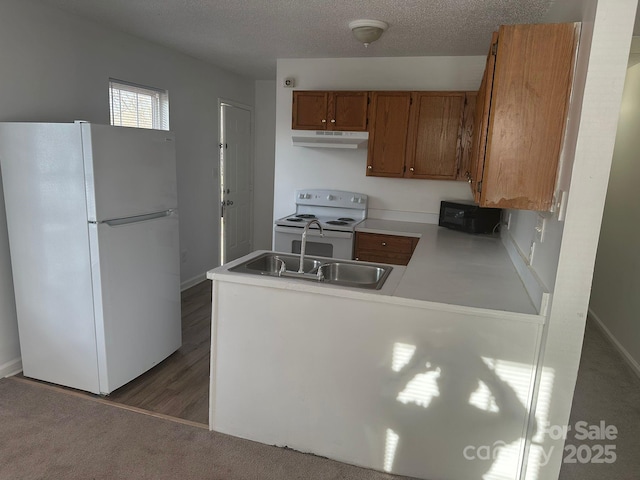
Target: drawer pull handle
x,y
384,244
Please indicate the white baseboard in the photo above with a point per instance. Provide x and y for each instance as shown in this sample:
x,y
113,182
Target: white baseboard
x,y
633,363
11,368
193,281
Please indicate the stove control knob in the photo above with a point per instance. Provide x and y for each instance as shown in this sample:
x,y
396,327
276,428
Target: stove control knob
x,y
330,197
354,200
301,196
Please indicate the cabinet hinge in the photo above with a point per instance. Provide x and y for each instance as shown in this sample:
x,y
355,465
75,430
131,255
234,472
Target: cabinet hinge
x,y
480,186
494,48
404,169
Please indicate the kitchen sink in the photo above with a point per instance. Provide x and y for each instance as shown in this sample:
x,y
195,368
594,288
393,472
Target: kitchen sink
x,y
354,274
321,270
271,264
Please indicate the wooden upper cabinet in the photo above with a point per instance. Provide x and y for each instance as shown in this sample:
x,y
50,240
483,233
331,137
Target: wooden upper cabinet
x,y
348,111
466,141
435,132
389,124
310,110
481,123
524,107
320,110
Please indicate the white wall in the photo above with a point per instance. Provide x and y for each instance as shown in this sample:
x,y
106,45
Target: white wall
x,y
264,160
616,281
300,167
56,66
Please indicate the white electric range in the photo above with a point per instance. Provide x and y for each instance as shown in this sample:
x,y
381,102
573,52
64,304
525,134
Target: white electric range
x,y
337,211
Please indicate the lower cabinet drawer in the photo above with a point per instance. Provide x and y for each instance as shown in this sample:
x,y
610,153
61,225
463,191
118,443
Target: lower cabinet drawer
x,y
393,249
392,258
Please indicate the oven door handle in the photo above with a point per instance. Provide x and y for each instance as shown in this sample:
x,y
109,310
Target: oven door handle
x,y
313,232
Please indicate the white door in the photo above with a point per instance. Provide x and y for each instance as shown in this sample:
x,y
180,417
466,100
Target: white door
x,y
236,176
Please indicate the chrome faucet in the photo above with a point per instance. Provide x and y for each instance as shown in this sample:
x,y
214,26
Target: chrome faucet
x,y
303,245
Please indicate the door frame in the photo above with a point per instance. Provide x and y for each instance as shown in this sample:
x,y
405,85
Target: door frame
x,y
221,254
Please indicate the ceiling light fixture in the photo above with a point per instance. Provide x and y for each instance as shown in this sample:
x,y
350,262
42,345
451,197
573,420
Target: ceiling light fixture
x,y
367,31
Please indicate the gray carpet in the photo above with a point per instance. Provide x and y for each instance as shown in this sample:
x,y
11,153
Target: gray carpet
x,y
46,434
607,389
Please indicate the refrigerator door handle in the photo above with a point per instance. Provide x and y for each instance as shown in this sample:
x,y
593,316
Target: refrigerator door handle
x,y
115,222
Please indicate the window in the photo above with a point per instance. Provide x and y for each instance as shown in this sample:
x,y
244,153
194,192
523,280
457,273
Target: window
x,y
138,106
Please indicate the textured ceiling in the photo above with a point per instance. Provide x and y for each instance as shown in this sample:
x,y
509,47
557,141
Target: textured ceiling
x,y
246,36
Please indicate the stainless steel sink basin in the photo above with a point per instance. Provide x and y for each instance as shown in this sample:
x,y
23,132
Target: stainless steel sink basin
x,y
354,274
324,270
271,264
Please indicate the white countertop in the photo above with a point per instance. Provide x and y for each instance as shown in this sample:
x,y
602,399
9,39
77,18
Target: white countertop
x,y
456,268
447,267
392,227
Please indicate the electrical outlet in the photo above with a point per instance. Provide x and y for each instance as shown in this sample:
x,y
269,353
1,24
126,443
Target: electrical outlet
x,y
541,224
183,256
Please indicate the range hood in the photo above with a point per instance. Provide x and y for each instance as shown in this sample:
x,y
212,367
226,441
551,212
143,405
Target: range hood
x,y
329,139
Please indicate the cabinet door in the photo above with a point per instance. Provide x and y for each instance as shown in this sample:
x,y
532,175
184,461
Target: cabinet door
x,y
348,111
529,103
481,123
464,168
435,133
389,122
309,110
393,249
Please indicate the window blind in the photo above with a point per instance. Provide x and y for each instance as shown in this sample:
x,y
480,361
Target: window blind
x,y
138,106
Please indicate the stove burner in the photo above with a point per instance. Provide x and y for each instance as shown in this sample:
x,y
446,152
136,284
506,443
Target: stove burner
x,y
337,222
294,219
305,215
346,219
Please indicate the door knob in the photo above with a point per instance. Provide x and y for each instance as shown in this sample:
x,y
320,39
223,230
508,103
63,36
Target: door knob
x,y
369,167
333,121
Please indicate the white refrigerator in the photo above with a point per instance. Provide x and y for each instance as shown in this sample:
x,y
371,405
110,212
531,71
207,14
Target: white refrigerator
x,y
93,233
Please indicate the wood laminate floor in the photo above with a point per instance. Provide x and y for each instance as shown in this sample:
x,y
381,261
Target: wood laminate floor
x,y
179,386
